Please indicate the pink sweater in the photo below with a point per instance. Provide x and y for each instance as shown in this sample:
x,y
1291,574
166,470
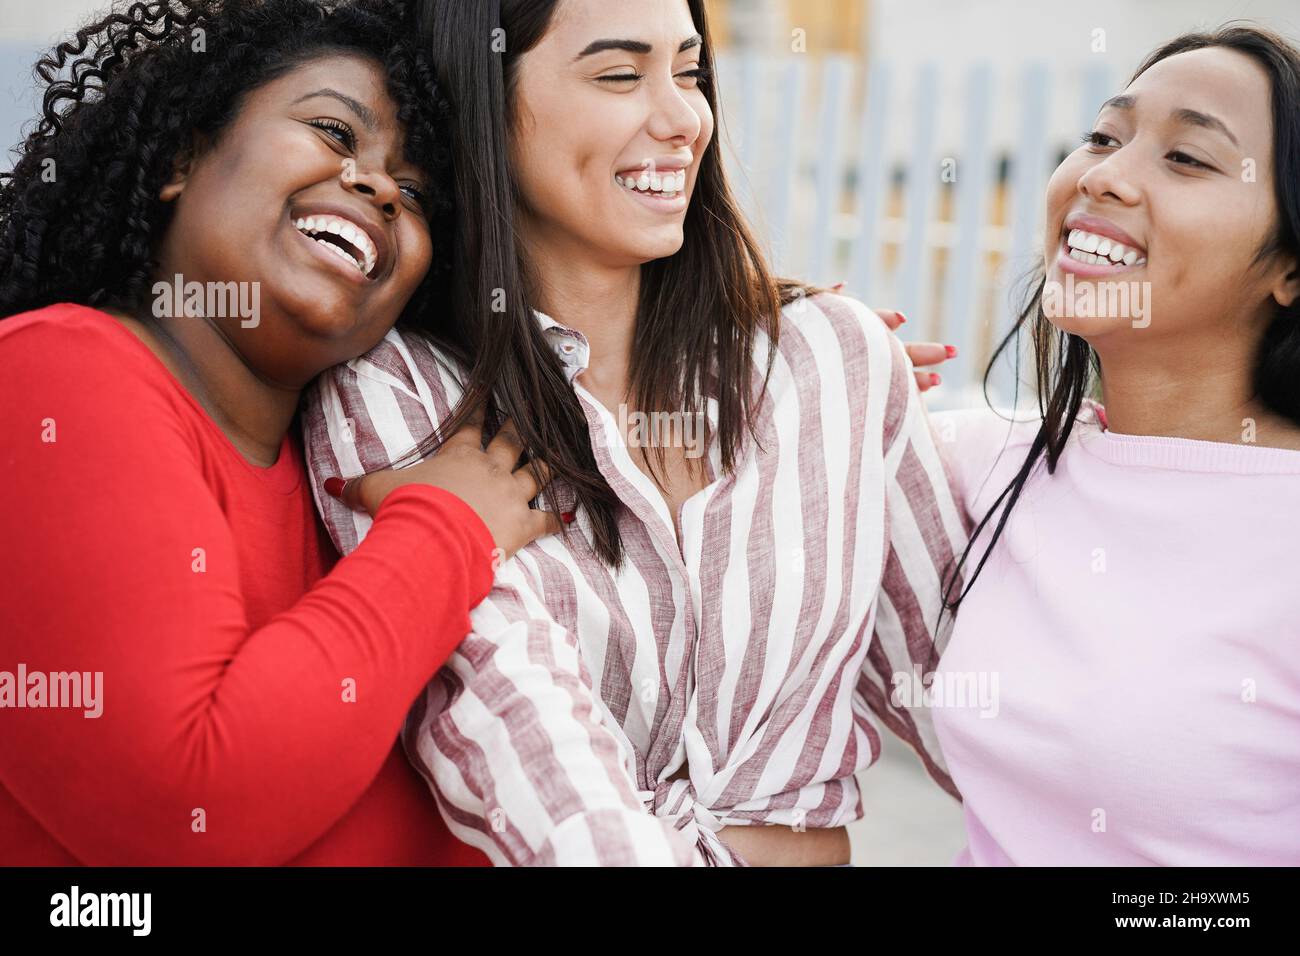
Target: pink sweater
x,y
1136,635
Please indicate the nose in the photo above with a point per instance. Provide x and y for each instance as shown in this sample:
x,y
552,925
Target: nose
x,y
380,189
1113,178
673,120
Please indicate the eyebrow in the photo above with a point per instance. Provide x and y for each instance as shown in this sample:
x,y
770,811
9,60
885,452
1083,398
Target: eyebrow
x,y
639,47
363,112
1183,115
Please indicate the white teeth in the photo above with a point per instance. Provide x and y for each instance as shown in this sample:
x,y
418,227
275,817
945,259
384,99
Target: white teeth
x,y
339,252
667,185
1096,249
347,231
1095,260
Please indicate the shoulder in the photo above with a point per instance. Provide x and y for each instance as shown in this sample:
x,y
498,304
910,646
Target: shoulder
x,y
835,335
372,411
64,327
77,377
979,444
840,317
405,361
84,355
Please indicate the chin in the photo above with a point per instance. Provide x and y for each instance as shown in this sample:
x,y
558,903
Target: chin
x,y
324,315
649,250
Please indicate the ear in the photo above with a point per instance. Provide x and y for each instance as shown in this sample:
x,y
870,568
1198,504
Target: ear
x,y
183,167
1286,288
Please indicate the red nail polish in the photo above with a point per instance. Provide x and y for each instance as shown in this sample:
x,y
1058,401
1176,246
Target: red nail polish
x,y
901,318
334,487
935,379
567,517
952,350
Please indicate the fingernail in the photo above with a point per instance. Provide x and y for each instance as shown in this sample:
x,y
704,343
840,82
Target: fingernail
x,y
334,487
837,286
952,350
901,318
567,517
934,378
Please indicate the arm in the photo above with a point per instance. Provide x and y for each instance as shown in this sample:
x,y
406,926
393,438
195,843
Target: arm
x,y
510,738
925,534
218,744
509,735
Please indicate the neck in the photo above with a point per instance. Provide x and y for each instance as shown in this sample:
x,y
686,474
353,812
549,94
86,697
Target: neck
x,y
253,412
1199,390
596,299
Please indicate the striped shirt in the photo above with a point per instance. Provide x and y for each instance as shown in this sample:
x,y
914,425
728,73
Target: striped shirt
x,y
756,654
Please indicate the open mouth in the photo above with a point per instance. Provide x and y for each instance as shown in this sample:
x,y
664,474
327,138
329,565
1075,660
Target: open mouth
x,y
657,184
342,238
1097,250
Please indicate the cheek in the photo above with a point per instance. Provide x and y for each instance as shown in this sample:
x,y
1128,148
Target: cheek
x,y
416,257
1062,188
706,124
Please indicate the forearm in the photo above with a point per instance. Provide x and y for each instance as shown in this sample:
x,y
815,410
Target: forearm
x,y
512,743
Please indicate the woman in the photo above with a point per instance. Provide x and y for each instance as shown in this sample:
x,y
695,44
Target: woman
x,y
762,519
199,684
1136,598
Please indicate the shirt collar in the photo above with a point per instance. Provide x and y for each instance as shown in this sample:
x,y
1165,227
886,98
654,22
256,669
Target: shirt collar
x,y
570,345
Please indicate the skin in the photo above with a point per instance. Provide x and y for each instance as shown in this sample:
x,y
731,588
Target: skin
x,y
586,236
1177,187
269,158
287,149
579,120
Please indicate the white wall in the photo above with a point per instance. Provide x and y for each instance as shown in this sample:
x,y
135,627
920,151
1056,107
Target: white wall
x,y
1010,33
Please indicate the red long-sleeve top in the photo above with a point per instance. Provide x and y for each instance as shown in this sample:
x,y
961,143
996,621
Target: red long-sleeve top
x,y
254,684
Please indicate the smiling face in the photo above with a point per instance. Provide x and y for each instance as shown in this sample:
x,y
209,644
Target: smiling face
x,y
610,126
1174,189
307,194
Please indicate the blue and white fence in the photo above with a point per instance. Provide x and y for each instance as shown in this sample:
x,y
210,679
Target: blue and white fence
x,y
894,179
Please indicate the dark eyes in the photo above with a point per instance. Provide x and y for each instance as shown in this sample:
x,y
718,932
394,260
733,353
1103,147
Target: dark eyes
x,y
697,75
417,195
342,132
1106,141
337,129
1094,138
1182,159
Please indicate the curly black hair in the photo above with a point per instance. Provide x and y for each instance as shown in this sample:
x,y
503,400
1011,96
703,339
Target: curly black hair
x,y
80,216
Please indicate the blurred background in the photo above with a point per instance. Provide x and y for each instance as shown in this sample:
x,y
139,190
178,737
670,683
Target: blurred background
x,y
899,146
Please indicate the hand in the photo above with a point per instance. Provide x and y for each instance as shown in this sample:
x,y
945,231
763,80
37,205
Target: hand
x,y
924,355
486,480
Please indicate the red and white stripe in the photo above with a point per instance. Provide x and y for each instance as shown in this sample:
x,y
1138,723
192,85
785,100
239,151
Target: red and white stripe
x,y
759,653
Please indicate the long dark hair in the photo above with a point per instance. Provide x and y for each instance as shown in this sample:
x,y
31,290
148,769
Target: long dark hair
x,y
1066,365
80,215
703,307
